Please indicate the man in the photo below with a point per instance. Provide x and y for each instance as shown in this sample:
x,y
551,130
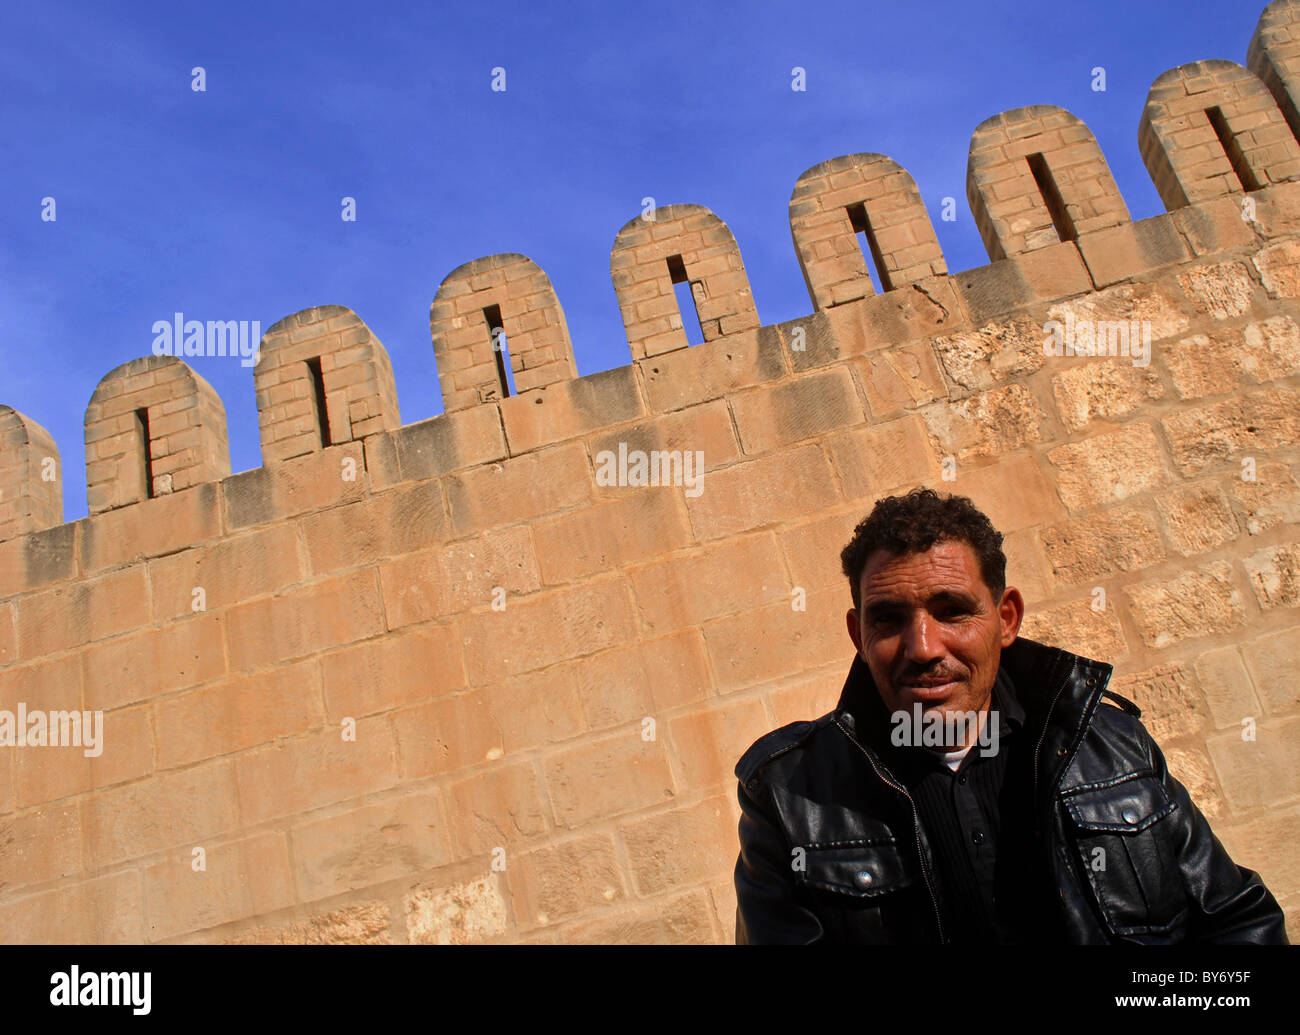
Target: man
x,y
971,786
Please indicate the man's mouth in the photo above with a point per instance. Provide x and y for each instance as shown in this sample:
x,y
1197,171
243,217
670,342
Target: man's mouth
x,y
928,689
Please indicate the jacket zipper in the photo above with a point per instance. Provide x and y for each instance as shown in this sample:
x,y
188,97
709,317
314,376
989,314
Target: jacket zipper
x,y
1091,683
1050,813
916,830
1038,750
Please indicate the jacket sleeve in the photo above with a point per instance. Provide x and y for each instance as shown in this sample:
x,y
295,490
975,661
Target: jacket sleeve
x,y
1229,903
767,912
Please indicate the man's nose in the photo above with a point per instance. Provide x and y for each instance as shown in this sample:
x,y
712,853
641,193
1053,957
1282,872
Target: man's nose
x,y
921,639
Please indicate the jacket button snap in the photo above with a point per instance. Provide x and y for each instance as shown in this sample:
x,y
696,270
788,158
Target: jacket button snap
x,y
1130,815
978,837
864,878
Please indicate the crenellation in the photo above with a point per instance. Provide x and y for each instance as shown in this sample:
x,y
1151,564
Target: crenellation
x,y
31,482
866,193
322,378
668,246
1205,133
1274,56
1039,183
135,451
489,309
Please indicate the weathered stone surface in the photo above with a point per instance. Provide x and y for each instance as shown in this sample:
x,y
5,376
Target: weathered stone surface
x,y
1197,519
1171,703
1234,429
979,359
1221,291
1078,628
1201,602
1215,364
900,379
1144,303
1109,467
1271,498
1123,539
1279,268
1275,575
1103,388
366,923
463,914
987,424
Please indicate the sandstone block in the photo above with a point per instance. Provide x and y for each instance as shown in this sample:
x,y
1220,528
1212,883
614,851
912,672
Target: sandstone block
x,y
302,773
791,411
370,845
393,671
1076,627
1108,467
565,879
1197,519
1201,602
1226,685
241,879
1122,539
496,808
658,845
461,914
607,777
1274,575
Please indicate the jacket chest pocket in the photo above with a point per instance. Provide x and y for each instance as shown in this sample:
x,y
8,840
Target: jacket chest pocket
x,y
864,892
860,870
1121,835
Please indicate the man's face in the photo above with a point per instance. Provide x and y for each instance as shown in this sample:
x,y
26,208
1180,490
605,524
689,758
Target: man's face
x,y
930,630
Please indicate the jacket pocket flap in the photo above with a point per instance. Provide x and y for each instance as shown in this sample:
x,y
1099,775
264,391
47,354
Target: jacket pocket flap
x,y
862,870
1122,808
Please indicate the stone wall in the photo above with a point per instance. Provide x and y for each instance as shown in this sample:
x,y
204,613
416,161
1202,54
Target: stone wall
x,y
443,682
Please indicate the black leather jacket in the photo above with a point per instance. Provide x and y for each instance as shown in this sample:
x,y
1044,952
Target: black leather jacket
x,y
866,872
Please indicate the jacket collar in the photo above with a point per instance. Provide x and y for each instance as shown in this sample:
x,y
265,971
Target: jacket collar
x,y
1057,690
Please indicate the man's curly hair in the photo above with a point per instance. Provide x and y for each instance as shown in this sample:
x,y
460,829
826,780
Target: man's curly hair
x,y
917,521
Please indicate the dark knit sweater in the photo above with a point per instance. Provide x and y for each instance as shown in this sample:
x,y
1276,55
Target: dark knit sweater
x,y
979,823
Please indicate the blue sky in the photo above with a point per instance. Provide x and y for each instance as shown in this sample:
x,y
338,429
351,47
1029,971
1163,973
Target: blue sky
x,y
225,204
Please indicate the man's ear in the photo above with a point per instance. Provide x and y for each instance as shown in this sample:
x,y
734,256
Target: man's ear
x,y
855,634
1011,611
